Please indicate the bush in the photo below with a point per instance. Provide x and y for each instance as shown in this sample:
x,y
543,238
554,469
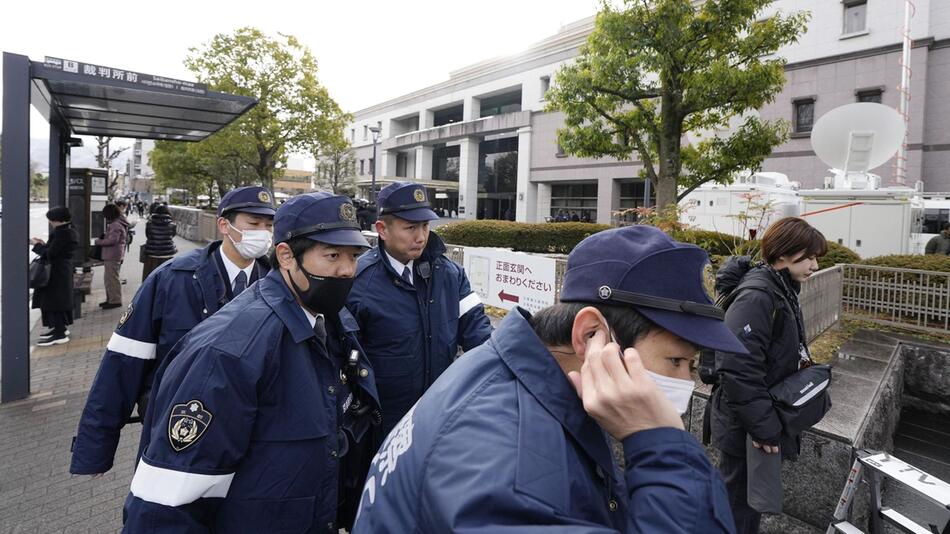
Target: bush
x,y
547,238
838,254
929,262
714,243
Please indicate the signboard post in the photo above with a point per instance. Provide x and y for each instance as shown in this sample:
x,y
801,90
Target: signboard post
x,y
504,279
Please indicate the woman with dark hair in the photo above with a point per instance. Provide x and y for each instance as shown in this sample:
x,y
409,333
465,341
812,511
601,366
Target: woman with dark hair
x,y
113,252
159,240
762,309
55,300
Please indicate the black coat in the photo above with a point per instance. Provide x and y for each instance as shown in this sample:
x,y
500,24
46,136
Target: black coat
x,y
160,236
59,252
762,314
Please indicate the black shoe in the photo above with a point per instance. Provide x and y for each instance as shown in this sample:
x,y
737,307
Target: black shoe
x,y
109,305
55,339
51,332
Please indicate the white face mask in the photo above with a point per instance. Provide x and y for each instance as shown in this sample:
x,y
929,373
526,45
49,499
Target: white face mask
x,y
677,390
253,243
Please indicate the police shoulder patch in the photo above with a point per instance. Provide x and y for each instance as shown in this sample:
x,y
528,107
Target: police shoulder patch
x,y
125,316
187,422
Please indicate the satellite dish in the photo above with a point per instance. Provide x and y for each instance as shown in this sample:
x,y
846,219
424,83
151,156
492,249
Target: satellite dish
x,y
856,138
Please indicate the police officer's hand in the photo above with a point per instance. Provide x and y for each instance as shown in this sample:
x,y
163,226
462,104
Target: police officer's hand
x,y
771,449
618,393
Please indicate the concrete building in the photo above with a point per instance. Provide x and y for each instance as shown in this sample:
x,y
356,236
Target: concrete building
x,y
483,144
138,174
294,182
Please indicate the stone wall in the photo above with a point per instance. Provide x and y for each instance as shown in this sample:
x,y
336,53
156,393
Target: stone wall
x,y
194,224
874,376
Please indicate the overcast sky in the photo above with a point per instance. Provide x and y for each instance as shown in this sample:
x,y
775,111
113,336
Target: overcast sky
x,y
368,51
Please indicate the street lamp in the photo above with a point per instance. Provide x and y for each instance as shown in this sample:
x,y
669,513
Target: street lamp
x,y
376,133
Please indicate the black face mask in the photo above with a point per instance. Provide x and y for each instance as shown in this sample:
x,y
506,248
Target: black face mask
x,y
326,294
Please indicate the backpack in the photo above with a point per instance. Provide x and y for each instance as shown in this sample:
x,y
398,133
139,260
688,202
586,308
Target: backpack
x,y
730,282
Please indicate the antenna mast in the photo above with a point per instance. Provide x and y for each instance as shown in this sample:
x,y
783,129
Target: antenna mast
x,y
903,90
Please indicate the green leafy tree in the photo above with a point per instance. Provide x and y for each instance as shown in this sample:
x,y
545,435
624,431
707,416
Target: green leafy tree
x,y
295,113
653,71
219,162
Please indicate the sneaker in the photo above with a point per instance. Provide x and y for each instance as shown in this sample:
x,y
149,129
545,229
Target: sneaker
x,y
53,340
51,332
109,305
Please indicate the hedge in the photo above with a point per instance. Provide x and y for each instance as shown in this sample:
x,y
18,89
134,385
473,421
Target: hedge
x,y
558,238
563,237
929,262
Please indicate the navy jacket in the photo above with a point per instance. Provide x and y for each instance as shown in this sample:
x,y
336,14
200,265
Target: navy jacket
x,y
412,333
501,443
171,301
265,454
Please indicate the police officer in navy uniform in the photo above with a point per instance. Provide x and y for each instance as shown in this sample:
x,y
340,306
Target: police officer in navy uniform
x,y
251,418
415,307
512,436
171,301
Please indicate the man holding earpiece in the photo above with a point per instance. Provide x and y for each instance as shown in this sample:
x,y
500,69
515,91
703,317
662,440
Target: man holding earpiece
x,y
171,301
512,437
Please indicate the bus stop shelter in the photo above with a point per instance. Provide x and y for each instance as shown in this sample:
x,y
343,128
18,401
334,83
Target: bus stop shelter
x,y
79,98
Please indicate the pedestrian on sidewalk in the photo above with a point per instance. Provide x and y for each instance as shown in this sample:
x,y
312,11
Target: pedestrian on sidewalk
x,y
55,300
159,240
113,252
762,309
174,298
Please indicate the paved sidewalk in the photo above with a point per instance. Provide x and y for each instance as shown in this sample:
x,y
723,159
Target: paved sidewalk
x,y
37,493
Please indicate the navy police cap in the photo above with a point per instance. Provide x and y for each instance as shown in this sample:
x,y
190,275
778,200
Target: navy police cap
x,y
322,217
642,267
406,200
251,199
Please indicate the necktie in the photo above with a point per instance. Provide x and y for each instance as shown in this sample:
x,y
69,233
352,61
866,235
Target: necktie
x,y
320,329
240,283
407,276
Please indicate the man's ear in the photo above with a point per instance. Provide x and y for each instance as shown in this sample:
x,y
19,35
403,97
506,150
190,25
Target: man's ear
x,y
381,229
587,322
223,225
285,256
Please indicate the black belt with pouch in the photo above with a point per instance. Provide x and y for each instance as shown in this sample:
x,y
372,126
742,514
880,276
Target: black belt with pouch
x,y
802,399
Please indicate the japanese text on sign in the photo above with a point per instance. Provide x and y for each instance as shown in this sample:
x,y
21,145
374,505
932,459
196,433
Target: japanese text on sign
x,y
505,279
128,76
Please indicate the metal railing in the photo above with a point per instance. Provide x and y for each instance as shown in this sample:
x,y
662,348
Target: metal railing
x,y
820,299
909,298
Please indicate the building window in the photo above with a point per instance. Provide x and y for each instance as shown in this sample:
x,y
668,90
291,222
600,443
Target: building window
x,y
372,166
574,202
560,152
803,112
545,85
365,132
362,166
855,16
934,220
402,162
870,95
445,163
352,134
